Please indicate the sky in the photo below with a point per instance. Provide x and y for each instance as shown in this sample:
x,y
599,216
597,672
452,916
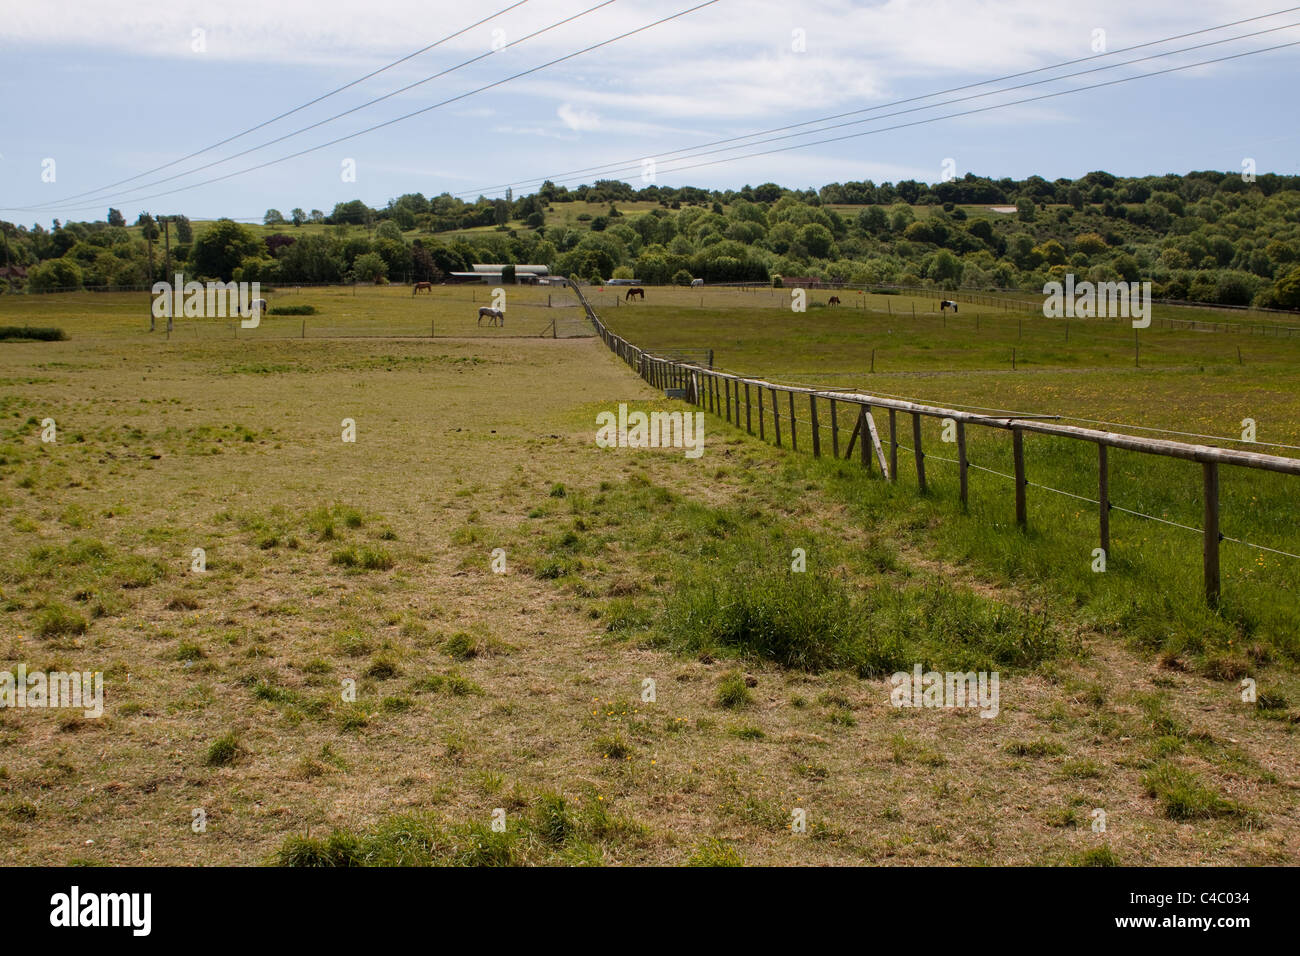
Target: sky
x,y
99,94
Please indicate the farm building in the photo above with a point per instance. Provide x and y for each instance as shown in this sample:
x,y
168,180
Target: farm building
x,y
485,272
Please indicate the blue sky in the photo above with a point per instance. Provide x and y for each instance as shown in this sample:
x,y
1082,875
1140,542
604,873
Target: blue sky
x,y
109,90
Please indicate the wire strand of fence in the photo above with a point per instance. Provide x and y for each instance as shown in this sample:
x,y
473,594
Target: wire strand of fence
x,y
636,358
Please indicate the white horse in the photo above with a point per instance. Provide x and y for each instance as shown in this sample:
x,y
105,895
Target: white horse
x,y
494,316
945,304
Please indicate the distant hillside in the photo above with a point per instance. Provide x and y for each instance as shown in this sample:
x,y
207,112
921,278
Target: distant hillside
x,y
1206,236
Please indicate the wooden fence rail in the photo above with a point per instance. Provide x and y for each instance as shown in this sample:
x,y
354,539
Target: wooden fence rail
x,y
699,381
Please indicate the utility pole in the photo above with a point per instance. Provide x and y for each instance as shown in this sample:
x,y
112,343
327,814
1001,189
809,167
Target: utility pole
x,y
167,246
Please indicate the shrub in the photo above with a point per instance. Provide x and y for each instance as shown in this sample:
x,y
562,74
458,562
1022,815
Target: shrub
x,y
32,333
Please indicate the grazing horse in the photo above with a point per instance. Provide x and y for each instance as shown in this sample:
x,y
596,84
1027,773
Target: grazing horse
x,y
494,316
833,300
425,286
635,291
944,305
696,283
260,306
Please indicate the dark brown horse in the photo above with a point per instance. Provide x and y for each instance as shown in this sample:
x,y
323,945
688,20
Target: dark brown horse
x,y
636,290
422,287
833,300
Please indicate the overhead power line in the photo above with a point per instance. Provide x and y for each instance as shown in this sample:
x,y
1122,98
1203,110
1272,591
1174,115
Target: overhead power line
x,y
624,164
286,113
971,112
414,113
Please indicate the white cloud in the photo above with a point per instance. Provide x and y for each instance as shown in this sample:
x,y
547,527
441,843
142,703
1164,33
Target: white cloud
x,y
577,119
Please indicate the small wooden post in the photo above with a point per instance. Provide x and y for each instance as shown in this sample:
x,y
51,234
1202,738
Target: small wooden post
x,y
1211,546
835,431
1103,497
864,449
748,426
816,429
776,418
920,455
726,384
794,440
893,445
1018,448
961,460
760,413
873,361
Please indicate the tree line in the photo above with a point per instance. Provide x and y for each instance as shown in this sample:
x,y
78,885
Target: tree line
x,y
1205,236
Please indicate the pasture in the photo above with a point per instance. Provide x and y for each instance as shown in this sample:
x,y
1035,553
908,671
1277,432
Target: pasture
x,y
329,561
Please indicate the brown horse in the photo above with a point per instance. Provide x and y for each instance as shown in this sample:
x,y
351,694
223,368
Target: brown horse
x,y
636,290
833,300
422,286
494,316
945,304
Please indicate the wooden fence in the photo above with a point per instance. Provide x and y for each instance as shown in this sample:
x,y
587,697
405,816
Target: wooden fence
x,y
748,402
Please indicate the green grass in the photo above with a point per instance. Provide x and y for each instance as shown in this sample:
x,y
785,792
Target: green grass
x,y
224,751
1151,592
551,829
1183,796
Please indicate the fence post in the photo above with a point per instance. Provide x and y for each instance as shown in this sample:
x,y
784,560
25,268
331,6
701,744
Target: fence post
x,y
1211,546
864,439
961,460
727,385
835,432
1018,447
776,418
794,441
893,445
760,413
748,426
1103,497
816,429
920,455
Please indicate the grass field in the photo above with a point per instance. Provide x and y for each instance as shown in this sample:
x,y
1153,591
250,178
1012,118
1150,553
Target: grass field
x,y
329,561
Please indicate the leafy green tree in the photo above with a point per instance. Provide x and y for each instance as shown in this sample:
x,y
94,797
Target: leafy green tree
x,y
297,217
817,239
223,247
54,275
313,258
1286,290
273,217
115,218
369,267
